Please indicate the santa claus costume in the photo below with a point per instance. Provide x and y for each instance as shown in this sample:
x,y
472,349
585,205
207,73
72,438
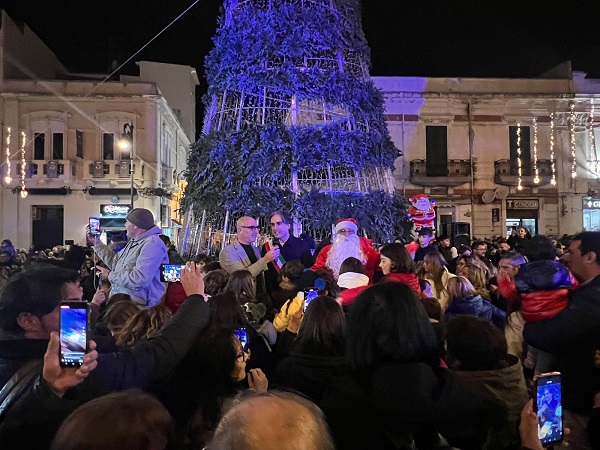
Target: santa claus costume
x,y
345,246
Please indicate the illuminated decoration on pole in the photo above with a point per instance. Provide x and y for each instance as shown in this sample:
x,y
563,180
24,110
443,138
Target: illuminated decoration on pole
x,y
572,141
7,178
552,133
536,169
519,161
23,192
593,165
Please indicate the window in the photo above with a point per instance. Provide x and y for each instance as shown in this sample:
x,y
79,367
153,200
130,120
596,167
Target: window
x,y
39,144
525,151
436,151
108,146
165,158
57,146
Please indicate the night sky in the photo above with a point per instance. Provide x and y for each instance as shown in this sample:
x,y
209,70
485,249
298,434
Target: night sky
x,y
418,38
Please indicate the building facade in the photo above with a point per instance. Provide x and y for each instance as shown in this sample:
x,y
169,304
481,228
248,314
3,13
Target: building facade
x,y
61,161
498,153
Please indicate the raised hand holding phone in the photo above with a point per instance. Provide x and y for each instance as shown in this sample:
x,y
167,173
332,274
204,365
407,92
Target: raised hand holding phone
x,y
548,405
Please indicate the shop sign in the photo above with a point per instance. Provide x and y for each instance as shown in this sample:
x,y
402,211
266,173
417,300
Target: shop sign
x,y
522,204
114,210
591,203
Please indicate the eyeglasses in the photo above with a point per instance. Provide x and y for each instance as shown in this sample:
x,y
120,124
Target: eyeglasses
x,y
243,356
251,227
344,231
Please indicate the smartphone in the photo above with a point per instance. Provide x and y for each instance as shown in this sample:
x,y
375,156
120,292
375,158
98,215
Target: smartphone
x,y
73,333
242,335
171,272
94,226
309,295
548,406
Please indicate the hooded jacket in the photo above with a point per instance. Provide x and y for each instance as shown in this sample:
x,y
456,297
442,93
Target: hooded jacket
x,y
476,306
135,270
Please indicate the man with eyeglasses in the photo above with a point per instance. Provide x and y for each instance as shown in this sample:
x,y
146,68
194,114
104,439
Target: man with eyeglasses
x,y
243,254
292,248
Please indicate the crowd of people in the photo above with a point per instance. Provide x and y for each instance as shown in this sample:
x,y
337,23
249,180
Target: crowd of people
x,y
404,345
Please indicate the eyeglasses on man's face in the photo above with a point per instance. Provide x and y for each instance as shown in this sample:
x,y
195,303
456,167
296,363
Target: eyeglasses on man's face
x,y
346,232
251,227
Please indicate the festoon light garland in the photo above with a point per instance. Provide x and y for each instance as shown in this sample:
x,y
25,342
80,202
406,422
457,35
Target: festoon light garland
x,y
572,140
23,192
536,169
519,161
7,178
552,131
593,165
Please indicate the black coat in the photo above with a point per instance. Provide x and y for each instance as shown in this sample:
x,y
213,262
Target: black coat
x,y
398,401
294,249
572,336
309,374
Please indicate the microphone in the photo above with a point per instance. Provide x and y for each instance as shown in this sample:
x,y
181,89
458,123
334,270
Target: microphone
x,y
276,243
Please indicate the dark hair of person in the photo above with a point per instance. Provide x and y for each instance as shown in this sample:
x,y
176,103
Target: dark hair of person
x,y
590,242
352,264
387,323
476,244
285,218
202,257
323,328
425,232
125,420
37,291
463,248
210,266
241,283
226,311
165,239
292,270
539,248
501,240
215,282
515,258
401,260
142,325
474,343
118,314
437,266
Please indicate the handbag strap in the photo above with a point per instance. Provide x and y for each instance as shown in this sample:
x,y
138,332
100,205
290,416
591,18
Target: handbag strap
x,y
18,384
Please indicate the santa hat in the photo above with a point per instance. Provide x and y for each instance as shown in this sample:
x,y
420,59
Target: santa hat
x,y
417,196
348,224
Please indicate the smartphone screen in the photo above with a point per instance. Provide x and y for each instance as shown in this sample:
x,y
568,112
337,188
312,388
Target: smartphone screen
x,y
73,333
170,272
309,295
549,408
242,335
94,226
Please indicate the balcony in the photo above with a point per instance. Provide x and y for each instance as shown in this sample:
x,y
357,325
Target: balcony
x,y
457,172
109,170
506,172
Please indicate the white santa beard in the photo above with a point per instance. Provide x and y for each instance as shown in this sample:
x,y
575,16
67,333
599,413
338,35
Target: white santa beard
x,y
343,247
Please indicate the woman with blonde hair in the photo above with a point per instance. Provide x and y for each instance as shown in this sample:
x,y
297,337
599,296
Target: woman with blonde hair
x,y
464,300
476,275
437,272
142,325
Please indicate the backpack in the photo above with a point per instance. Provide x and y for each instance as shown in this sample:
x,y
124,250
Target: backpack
x,y
18,384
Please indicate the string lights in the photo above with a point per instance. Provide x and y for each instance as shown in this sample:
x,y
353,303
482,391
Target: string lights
x,y
23,192
593,165
7,178
552,131
536,169
572,140
519,161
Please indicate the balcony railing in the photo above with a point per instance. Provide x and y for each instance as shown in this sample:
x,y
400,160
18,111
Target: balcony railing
x,y
506,172
113,170
454,173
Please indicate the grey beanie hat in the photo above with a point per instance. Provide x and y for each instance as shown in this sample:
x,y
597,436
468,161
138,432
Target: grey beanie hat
x,y
141,217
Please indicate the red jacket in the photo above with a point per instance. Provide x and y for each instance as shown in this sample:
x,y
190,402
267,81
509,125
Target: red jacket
x,y
544,305
410,279
174,296
348,295
370,253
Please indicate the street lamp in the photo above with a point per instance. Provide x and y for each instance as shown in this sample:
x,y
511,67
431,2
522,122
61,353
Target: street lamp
x,y
126,144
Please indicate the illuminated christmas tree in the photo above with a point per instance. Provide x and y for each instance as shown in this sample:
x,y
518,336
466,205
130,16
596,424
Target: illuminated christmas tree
x,y
293,122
